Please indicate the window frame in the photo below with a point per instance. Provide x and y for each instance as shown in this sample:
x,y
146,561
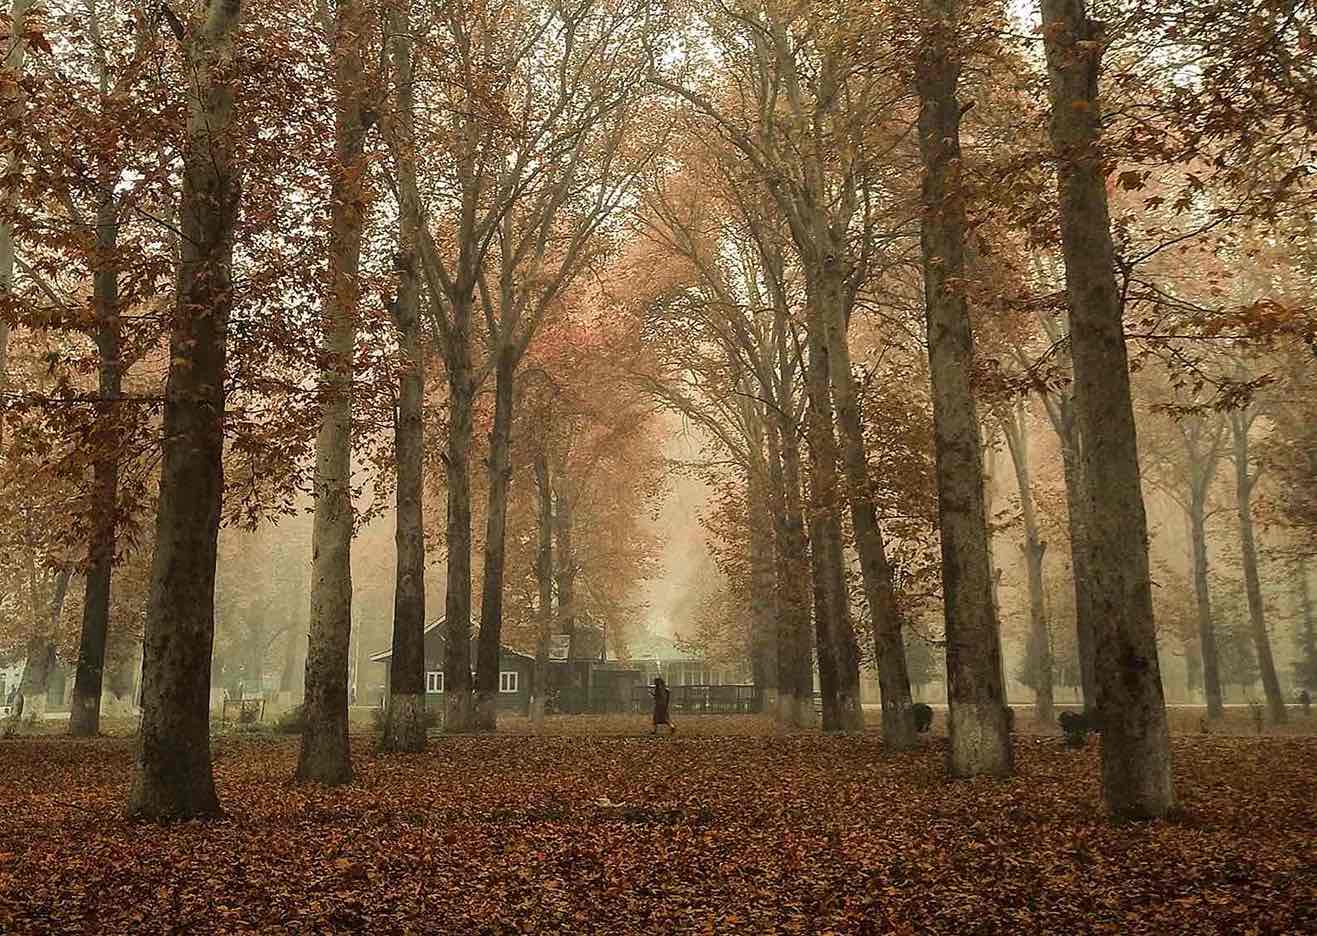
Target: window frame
x,y
434,678
503,682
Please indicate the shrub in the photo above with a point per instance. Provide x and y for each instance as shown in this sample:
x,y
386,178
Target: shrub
x,y
291,722
1076,728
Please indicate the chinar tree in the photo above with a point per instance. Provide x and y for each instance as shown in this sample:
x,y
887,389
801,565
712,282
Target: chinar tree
x,y
324,756
1136,758
811,132
173,777
976,693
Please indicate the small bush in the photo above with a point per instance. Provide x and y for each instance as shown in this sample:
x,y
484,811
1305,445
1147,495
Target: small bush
x,y
291,722
434,719
1075,725
923,714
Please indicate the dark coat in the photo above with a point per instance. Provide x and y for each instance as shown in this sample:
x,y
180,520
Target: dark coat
x,y
661,697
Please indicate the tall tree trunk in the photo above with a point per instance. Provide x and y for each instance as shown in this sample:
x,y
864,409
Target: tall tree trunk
x,y
1072,465
838,655
1307,635
295,641
976,695
457,601
1136,759
893,676
404,727
496,523
173,779
1244,480
85,717
325,755
1039,655
795,671
15,56
989,498
1206,627
566,569
763,605
543,580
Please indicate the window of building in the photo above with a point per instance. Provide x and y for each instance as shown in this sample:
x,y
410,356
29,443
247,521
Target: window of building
x,y
507,682
434,682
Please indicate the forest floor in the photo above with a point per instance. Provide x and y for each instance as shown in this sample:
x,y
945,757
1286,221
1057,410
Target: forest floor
x,y
726,828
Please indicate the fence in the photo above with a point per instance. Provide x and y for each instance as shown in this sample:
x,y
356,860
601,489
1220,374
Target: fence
x,y
703,700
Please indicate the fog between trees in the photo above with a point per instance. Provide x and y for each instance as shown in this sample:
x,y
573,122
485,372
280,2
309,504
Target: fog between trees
x,y
965,350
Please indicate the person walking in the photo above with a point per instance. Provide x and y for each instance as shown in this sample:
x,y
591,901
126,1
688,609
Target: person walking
x,y
661,698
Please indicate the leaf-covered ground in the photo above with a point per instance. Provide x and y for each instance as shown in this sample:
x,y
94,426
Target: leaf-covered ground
x,y
749,833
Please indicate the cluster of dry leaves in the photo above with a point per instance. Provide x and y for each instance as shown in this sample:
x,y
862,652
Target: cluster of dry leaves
x,y
755,834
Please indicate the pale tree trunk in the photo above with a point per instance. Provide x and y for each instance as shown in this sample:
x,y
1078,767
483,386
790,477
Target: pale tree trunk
x,y
14,60
543,581
458,711
1308,634
795,680
404,727
838,655
41,661
1039,655
1136,759
173,779
1207,649
120,682
491,597
325,755
293,662
84,719
1200,471
1240,423
893,676
980,735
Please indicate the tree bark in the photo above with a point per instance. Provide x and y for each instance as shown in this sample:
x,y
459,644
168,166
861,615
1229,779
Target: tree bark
x,y
1307,669
838,655
1206,627
980,735
296,640
566,569
41,660
496,522
763,611
15,57
325,755
543,581
1136,761
1240,423
795,675
898,722
457,601
84,719
172,779
1039,655
405,722
1072,466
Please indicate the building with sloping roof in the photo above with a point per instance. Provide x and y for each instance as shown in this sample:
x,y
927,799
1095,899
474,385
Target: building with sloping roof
x,y
515,677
